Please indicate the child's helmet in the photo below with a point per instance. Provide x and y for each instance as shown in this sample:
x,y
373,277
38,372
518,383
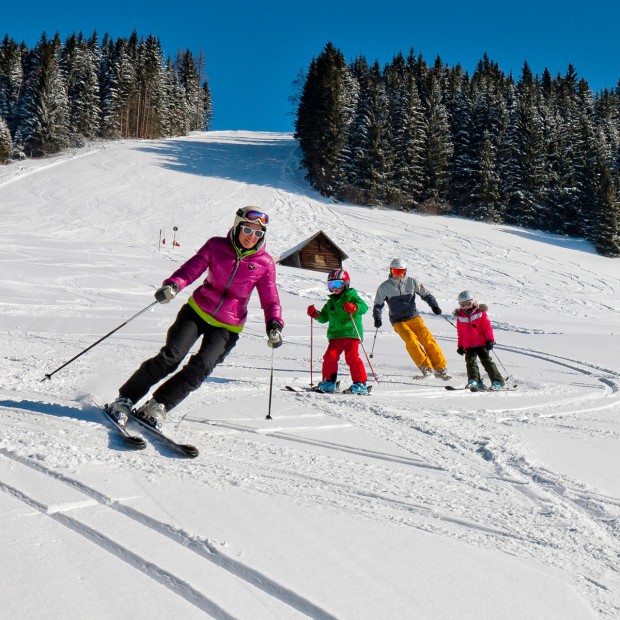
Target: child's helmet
x,y
338,275
467,299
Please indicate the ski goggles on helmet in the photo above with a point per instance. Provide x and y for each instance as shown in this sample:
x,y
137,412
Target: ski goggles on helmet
x,y
398,272
254,216
246,230
334,285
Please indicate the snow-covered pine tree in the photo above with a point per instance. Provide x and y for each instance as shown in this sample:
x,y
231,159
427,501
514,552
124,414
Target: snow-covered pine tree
x,y
525,135
438,146
404,185
44,108
6,144
11,80
80,61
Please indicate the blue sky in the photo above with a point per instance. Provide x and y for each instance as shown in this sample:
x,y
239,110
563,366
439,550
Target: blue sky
x,y
255,48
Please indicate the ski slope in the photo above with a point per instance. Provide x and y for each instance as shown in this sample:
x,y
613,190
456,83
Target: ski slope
x,y
414,502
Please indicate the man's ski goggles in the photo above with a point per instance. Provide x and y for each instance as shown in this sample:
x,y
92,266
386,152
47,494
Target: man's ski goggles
x,y
398,272
246,230
254,216
334,285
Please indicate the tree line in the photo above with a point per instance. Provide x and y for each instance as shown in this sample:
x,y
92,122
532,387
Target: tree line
x,y
57,94
536,152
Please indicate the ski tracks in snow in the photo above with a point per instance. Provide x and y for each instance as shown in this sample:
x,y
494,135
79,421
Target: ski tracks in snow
x,y
195,570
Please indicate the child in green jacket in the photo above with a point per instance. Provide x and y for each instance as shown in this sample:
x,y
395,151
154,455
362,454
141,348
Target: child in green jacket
x,y
343,311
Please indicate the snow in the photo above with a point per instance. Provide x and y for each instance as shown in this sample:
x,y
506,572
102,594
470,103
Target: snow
x,y
414,502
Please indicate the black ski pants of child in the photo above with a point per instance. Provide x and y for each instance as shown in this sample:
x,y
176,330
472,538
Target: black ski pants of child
x,y
473,372
187,328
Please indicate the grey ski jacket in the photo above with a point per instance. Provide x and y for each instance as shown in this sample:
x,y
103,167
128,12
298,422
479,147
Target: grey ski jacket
x,y
400,298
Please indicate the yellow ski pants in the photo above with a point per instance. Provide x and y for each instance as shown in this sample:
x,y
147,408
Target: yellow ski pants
x,y
421,344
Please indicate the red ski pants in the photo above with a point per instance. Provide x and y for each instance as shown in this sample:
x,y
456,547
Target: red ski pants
x,y
351,356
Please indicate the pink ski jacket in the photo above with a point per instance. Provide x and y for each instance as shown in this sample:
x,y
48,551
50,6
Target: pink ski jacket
x,y
473,329
222,299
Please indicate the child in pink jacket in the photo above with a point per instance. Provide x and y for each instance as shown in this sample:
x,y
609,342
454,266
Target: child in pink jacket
x,y
475,341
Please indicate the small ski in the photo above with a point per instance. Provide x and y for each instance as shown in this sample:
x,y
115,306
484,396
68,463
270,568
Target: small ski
x,y
184,448
313,388
453,388
132,441
349,391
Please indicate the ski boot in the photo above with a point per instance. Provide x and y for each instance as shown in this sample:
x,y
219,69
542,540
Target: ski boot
x,y
120,410
473,384
153,413
358,388
442,373
426,371
496,385
327,386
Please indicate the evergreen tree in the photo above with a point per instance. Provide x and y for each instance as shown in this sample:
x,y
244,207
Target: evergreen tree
x,y
406,121
11,80
44,107
369,163
80,60
527,154
438,147
6,144
323,115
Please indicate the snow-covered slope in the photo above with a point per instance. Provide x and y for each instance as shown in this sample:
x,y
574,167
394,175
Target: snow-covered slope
x,y
415,502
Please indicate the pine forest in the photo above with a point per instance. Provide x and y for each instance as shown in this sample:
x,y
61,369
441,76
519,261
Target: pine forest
x,y
536,152
59,95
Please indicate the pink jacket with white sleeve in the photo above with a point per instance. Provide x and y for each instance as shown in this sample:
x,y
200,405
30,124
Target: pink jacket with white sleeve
x,y
473,329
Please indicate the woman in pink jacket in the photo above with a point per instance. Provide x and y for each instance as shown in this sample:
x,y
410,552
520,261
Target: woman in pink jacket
x,y
216,312
475,340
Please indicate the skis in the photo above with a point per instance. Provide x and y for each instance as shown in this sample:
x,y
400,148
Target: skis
x,y
131,441
315,388
480,389
184,448
139,443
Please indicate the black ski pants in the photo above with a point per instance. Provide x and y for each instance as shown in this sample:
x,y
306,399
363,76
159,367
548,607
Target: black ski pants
x,y
187,328
473,372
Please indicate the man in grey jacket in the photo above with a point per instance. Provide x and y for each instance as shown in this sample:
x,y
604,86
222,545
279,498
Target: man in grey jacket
x,y
399,292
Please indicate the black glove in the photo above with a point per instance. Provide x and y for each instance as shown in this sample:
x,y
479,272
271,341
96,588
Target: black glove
x,y
273,334
378,323
436,309
489,345
461,351
166,293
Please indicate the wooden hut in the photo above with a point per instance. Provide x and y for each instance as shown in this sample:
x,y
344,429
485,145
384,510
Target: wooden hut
x,y
318,253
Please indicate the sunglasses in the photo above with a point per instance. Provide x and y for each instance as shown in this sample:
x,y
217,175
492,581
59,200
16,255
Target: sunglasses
x,y
398,272
334,285
246,230
255,216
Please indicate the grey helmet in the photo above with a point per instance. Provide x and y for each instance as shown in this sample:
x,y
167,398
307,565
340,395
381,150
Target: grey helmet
x,y
398,263
467,298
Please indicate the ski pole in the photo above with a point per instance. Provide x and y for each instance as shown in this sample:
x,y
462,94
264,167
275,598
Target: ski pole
x,y
508,376
363,349
311,334
373,344
449,321
49,375
268,416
